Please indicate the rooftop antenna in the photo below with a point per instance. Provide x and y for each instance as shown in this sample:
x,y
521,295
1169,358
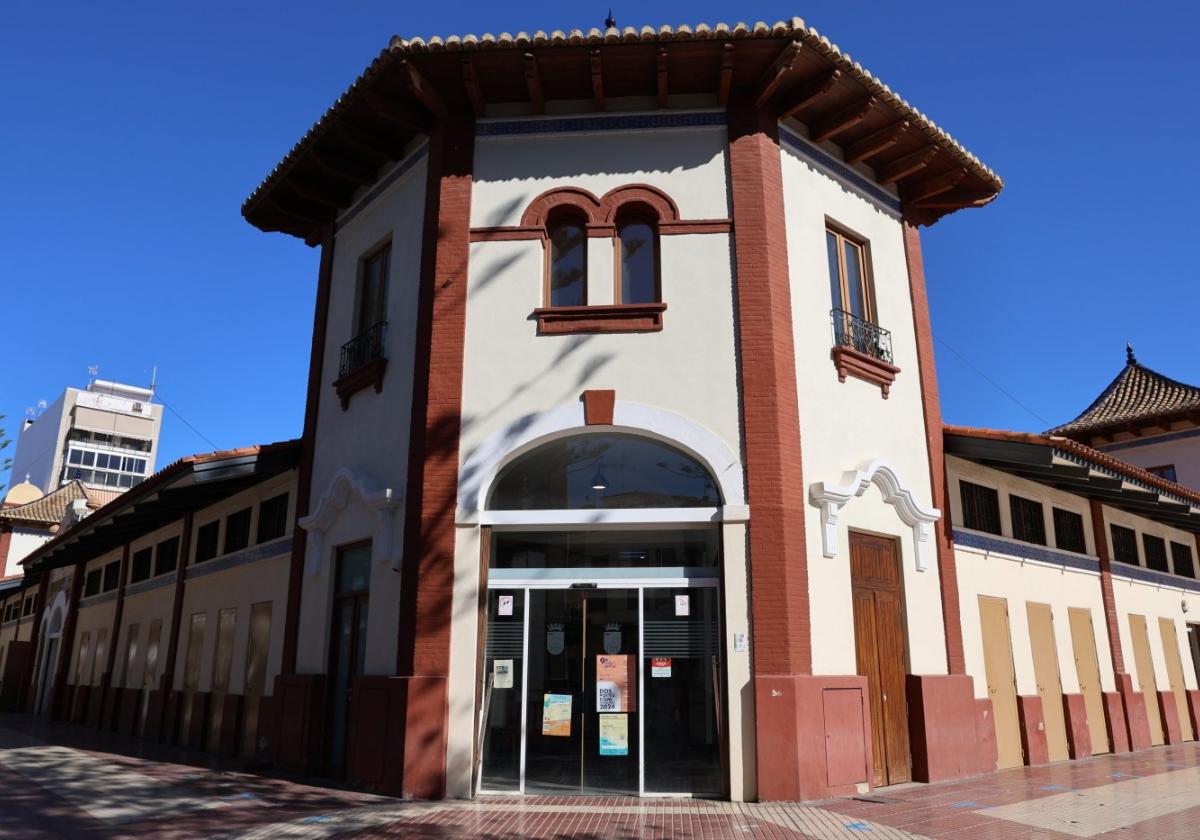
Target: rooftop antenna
x,y
153,380
610,22
41,407
93,371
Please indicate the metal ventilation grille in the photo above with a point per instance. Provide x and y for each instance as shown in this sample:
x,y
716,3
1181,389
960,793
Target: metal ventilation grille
x,y
504,639
680,638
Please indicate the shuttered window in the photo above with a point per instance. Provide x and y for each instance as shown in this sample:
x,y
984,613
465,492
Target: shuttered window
x,y
980,507
1124,545
1068,531
141,565
1156,553
1181,557
1028,522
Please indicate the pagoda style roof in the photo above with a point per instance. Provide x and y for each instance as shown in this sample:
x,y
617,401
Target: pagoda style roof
x,y
786,68
50,509
1138,397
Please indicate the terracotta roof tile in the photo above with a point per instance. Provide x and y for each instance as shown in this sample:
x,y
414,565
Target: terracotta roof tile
x,y
1136,395
49,510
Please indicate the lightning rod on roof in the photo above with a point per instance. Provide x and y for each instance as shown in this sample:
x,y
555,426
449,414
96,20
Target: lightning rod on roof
x,y
1129,357
610,22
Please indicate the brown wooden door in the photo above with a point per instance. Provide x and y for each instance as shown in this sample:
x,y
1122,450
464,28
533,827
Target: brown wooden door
x,y
1087,668
880,650
1001,680
1145,674
1049,681
1170,642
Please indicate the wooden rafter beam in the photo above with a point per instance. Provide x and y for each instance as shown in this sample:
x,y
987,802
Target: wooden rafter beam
x,y
811,90
287,211
390,110
471,83
367,142
597,67
316,194
533,81
875,143
904,166
776,73
931,187
956,198
840,121
421,90
341,168
662,77
726,74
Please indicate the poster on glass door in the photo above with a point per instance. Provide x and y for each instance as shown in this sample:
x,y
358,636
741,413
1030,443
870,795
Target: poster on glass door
x,y
614,734
615,683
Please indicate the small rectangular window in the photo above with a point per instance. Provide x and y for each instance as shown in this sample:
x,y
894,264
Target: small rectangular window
x,y
141,564
1068,531
980,507
91,583
849,274
112,575
28,606
1125,548
237,530
166,556
1166,471
1156,553
353,568
272,518
206,541
372,288
1028,521
1181,558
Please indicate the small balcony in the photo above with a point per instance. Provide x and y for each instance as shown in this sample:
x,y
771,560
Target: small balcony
x,y
863,350
362,363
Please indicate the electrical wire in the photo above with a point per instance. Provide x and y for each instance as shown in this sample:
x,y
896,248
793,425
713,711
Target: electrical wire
x,y
1045,423
182,419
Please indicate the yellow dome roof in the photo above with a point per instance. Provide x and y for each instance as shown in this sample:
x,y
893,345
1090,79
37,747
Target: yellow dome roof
x,y
23,493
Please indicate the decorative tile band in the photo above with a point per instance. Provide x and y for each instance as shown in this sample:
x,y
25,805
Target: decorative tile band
x,y
1144,575
607,122
375,191
839,169
148,585
1150,441
274,548
1025,551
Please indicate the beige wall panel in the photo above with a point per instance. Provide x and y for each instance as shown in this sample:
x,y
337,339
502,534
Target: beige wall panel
x,y
1170,642
1046,673
1147,682
997,649
1087,667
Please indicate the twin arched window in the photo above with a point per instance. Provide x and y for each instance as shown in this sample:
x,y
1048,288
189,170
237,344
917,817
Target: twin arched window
x,y
636,257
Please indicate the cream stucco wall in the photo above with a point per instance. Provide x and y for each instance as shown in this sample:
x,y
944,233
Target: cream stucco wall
x,y
21,545
1180,447
846,425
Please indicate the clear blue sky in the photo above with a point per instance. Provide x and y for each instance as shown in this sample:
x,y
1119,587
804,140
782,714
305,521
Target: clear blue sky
x,y
132,132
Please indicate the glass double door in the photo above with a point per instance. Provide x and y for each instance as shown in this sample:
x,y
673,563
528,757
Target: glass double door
x,y
602,691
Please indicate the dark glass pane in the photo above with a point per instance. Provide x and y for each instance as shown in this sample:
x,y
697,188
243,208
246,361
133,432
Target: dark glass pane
x,y
503,678
1068,531
835,279
1181,558
141,565
89,459
112,575
1156,553
568,261
206,541
354,568
373,293
1124,545
272,518
237,530
681,672
166,556
1028,523
91,583
605,549
343,645
76,456
639,264
604,471
980,507
854,279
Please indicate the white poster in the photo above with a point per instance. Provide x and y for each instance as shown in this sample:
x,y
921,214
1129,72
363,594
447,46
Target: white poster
x,y
681,605
505,604
502,673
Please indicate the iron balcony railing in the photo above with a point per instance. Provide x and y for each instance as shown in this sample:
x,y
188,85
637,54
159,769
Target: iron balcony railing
x,y
365,347
863,336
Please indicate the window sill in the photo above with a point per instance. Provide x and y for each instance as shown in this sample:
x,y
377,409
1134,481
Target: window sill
x,y
362,377
850,362
614,318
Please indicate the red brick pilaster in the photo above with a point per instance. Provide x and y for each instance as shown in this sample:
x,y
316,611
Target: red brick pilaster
x,y
427,573
947,570
308,440
1100,535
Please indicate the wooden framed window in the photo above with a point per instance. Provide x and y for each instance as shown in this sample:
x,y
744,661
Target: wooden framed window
x,y
112,575
272,518
1181,559
849,273
1156,553
237,530
1166,471
566,260
1028,521
1068,531
91,583
372,287
141,563
1124,545
207,540
166,556
980,507
638,273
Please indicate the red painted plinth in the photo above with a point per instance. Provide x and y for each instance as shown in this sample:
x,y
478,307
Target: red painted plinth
x,y
1032,719
813,736
1169,715
942,728
1079,737
1136,722
299,743
396,736
1118,729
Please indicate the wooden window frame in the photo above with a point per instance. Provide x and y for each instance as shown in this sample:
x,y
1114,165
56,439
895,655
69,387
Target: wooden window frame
x,y
1177,548
1113,530
962,485
382,249
635,213
1014,503
1149,540
566,214
1058,531
845,234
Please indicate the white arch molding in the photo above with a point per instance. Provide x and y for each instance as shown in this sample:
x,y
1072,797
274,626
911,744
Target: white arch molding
x,y
343,488
480,469
881,473
53,617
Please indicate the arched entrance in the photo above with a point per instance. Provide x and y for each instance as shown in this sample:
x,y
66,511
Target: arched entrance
x,y
602,670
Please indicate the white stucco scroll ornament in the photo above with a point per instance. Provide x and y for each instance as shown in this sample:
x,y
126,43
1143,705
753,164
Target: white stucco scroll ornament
x,y
344,488
832,498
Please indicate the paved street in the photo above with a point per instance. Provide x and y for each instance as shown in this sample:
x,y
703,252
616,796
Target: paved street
x,y
61,781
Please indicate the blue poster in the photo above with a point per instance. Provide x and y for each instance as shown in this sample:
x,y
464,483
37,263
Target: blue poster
x,y
614,734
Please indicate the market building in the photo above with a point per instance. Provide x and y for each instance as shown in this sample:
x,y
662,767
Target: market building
x,y
623,469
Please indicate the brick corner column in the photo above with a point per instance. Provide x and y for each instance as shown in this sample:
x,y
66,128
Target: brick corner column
x,y
780,615
427,570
